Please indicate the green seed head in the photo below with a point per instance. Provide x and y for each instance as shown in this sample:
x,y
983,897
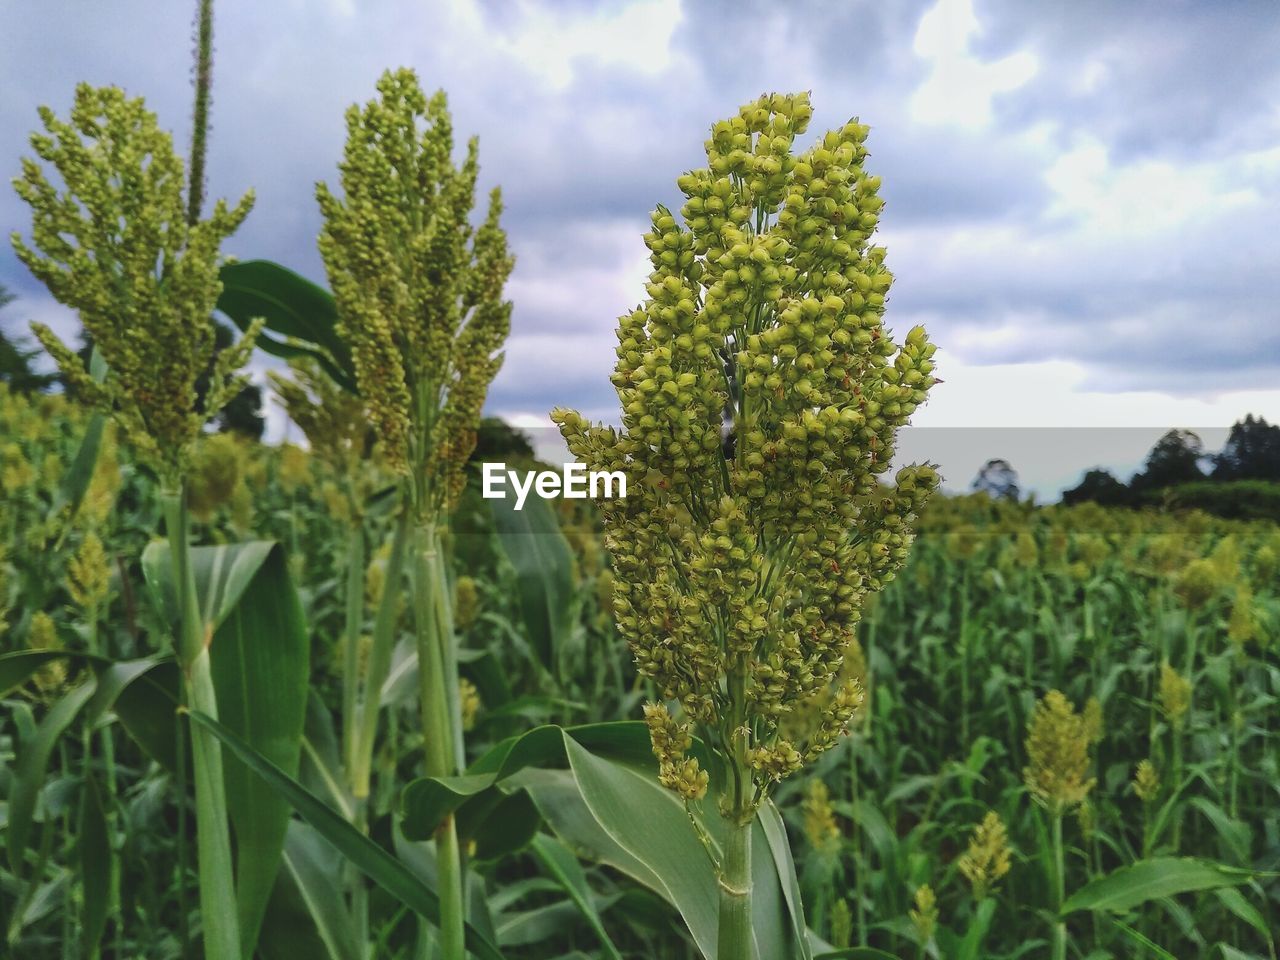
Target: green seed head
x,y
1146,782
419,290
112,242
987,859
1058,741
760,400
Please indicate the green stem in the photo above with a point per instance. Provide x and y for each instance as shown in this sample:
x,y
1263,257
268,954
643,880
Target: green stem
x,y
379,665
351,660
219,918
734,938
860,851
1175,731
438,725
1059,891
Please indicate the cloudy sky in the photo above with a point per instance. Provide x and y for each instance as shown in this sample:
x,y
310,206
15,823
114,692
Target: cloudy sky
x,y
1081,198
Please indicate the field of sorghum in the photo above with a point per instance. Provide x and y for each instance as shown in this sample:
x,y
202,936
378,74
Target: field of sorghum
x,y
345,708
922,830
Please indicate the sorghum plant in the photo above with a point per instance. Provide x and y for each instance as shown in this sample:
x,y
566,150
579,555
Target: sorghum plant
x,y
419,295
114,243
761,396
987,859
1057,776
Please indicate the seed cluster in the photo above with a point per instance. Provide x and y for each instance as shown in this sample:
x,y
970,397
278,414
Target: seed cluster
x,y
1058,742
761,396
419,290
987,859
114,244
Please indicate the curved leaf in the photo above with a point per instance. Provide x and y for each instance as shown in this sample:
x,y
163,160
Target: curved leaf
x,y
560,862
29,774
93,845
303,315
260,660
381,867
1146,880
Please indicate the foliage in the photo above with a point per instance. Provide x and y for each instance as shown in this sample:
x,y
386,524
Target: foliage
x,y
1252,451
1174,459
998,480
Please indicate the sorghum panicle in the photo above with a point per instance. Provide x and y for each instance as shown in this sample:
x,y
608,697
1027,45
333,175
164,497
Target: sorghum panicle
x,y
1146,782
761,396
419,291
1058,741
1174,694
115,245
987,859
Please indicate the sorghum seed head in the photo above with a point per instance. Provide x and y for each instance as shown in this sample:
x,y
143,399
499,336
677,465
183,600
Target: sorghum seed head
x,y
114,244
419,290
924,915
760,395
1057,774
987,859
1174,694
1146,782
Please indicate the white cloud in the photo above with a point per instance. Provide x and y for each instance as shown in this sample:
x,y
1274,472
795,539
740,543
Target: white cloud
x,y
960,87
549,40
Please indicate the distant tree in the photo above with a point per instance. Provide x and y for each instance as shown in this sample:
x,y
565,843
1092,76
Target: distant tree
x,y
16,358
1252,451
497,442
1174,459
998,480
1098,486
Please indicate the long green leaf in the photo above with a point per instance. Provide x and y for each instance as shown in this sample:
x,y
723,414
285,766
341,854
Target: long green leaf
x,y
382,868
313,865
18,667
1145,880
95,855
1139,938
427,801
533,542
302,316
775,832
29,775
560,862
261,664
260,660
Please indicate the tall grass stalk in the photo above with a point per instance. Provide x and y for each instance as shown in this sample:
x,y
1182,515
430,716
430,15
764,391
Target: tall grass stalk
x,y
219,917
434,635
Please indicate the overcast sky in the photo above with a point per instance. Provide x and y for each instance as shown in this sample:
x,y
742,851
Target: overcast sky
x,y
1081,197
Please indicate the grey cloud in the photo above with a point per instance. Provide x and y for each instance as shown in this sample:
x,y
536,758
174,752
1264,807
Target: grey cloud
x,y
581,167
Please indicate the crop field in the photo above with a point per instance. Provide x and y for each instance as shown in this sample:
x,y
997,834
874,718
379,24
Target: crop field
x,y
919,832
736,685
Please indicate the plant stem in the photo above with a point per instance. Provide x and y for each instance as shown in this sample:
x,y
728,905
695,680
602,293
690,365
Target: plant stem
x,y
375,675
219,918
1059,890
438,723
734,935
351,660
860,848
735,894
